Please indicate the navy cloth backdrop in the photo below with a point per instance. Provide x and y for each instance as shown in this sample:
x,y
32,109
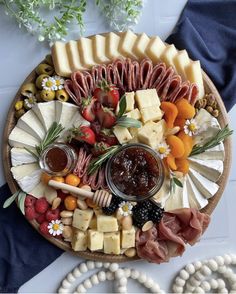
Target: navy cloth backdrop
x,y
207,29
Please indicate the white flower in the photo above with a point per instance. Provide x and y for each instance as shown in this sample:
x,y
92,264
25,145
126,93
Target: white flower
x,y
41,38
163,149
30,101
191,127
59,82
55,227
125,208
49,84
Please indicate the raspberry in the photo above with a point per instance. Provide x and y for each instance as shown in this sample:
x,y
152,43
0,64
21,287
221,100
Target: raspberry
x,y
30,213
41,218
41,205
44,228
29,201
52,214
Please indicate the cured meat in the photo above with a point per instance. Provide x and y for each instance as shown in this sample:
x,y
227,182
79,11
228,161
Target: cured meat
x,y
80,84
111,76
146,68
119,71
135,77
174,88
192,94
98,73
157,75
69,87
128,76
183,90
89,83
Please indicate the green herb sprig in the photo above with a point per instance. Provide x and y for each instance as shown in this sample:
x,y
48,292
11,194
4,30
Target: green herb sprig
x,y
174,182
20,196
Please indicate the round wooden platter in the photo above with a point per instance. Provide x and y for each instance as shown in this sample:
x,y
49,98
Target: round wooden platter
x,y
11,121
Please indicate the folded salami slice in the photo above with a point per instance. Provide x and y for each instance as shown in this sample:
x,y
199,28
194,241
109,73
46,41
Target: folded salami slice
x,y
174,87
89,82
69,87
79,168
184,89
80,83
167,77
157,75
146,68
135,75
95,74
192,95
119,72
111,76
127,80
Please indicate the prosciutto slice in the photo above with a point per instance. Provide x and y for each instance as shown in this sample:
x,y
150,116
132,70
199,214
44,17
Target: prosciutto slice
x,y
146,68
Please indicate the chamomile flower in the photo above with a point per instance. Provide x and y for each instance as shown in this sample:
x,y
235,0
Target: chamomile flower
x,y
30,101
49,84
59,82
163,149
55,227
125,208
191,127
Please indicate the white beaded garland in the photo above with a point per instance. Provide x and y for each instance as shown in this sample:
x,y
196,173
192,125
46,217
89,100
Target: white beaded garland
x,y
76,272
101,276
94,279
90,264
113,267
83,268
190,268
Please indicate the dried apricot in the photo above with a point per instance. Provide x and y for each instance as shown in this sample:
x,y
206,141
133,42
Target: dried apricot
x,y
176,146
72,180
180,122
182,165
188,143
58,179
170,161
45,178
70,202
170,113
185,109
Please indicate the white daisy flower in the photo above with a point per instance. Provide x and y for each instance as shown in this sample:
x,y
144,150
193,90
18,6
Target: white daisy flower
x,y
163,149
191,127
59,82
30,101
49,84
125,208
55,227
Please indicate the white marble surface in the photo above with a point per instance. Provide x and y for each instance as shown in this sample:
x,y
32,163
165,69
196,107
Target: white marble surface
x,y
20,53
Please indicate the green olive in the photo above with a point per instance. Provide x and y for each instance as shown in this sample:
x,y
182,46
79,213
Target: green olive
x,y
39,81
47,95
44,68
48,59
27,89
62,95
19,113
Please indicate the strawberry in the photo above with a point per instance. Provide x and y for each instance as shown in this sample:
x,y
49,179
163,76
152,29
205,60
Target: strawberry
x,y
106,135
85,134
99,148
41,218
52,214
105,116
96,127
29,201
87,109
44,228
41,205
107,94
30,213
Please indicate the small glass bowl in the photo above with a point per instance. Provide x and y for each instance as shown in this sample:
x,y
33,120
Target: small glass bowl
x,y
114,189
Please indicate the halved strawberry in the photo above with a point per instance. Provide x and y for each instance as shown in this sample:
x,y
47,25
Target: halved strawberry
x,y
107,94
105,116
99,148
87,109
106,135
85,134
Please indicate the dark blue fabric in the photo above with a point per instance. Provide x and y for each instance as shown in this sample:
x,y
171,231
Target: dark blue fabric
x,y
23,251
207,30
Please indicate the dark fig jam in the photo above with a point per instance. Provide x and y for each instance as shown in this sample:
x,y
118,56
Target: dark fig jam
x,y
56,159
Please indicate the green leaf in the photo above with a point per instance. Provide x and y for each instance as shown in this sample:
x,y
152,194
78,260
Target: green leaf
x,y
11,199
128,122
122,106
21,201
177,182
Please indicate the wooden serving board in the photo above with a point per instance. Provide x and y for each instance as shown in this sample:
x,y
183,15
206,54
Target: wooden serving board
x,y
11,121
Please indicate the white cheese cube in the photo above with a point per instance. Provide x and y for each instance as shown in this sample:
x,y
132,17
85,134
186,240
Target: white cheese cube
x,y
147,98
155,49
60,59
151,113
194,75
140,46
106,223
93,223
126,44
134,114
122,134
128,238
86,52
95,240
79,240
82,218
181,61
112,43
129,101
99,49
73,55
112,243
168,55
151,133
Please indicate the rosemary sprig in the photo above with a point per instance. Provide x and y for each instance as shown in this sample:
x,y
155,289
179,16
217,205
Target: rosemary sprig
x,y
214,141
97,163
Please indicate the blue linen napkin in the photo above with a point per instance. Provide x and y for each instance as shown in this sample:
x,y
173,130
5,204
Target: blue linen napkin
x,y
207,30
23,251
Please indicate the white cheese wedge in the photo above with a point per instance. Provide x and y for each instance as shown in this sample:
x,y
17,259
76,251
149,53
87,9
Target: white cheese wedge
x,y
64,112
30,123
196,198
79,240
99,49
163,194
38,191
95,240
181,61
122,134
155,49
73,55
140,46
112,243
20,138
129,96
24,170
46,112
217,153
175,200
126,44
21,156
168,55
194,74
50,194
147,98
112,44
205,186
211,169
28,183
153,113
60,59
86,52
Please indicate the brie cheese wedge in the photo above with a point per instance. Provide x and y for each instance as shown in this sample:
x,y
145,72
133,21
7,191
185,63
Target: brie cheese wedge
x,y
64,112
217,153
38,191
24,170
45,111
50,194
20,138
21,156
175,200
195,197
28,183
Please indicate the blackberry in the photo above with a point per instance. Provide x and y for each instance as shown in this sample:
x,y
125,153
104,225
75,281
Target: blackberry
x,y
147,204
115,201
156,214
140,216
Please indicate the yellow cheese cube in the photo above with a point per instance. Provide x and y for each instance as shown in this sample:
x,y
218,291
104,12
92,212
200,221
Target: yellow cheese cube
x,y
181,61
95,240
122,134
112,243
133,132
128,238
79,240
151,133
93,223
99,49
194,75
106,223
86,52
140,46
168,55
147,98
126,44
129,101
112,43
98,211
155,49
151,113
134,114
82,218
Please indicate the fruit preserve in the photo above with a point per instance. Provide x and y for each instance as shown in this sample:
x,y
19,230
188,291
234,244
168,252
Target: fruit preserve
x,y
135,172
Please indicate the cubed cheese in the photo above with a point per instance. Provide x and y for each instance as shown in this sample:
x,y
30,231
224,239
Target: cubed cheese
x,y
95,240
129,101
140,46
155,48
134,114
122,134
82,218
128,238
112,243
194,75
147,98
93,223
151,133
151,113
79,240
106,223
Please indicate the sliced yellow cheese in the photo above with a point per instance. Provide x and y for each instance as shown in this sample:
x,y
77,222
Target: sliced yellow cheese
x,y
194,75
126,44
112,243
181,61
140,46
74,56
60,59
99,49
168,55
86,52
112,44
79,240
95,240
122,134
128,238
129,96
147,98
153,113
155,49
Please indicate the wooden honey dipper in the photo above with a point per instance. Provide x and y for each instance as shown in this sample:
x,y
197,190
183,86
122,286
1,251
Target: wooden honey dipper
x,y
101,197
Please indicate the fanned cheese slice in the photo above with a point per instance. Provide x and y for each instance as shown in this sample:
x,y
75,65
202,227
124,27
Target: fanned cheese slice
x,y
30,123
50,194
20,138
86,52
181,61
175,200
24,170
140,46
194,74
21,156
38,191
99,49
155,49
28,183
112,44
162,195
217,153
211,169
196,199
205,186
60,59
46,113
168,55
64,112
73,54
126,44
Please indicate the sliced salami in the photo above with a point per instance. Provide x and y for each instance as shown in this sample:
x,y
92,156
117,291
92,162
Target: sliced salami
x,y
69,87
146,68
135,77
119,72
174,87
128,75
184,89
89,82
111,76
192,95
80,84
157,75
